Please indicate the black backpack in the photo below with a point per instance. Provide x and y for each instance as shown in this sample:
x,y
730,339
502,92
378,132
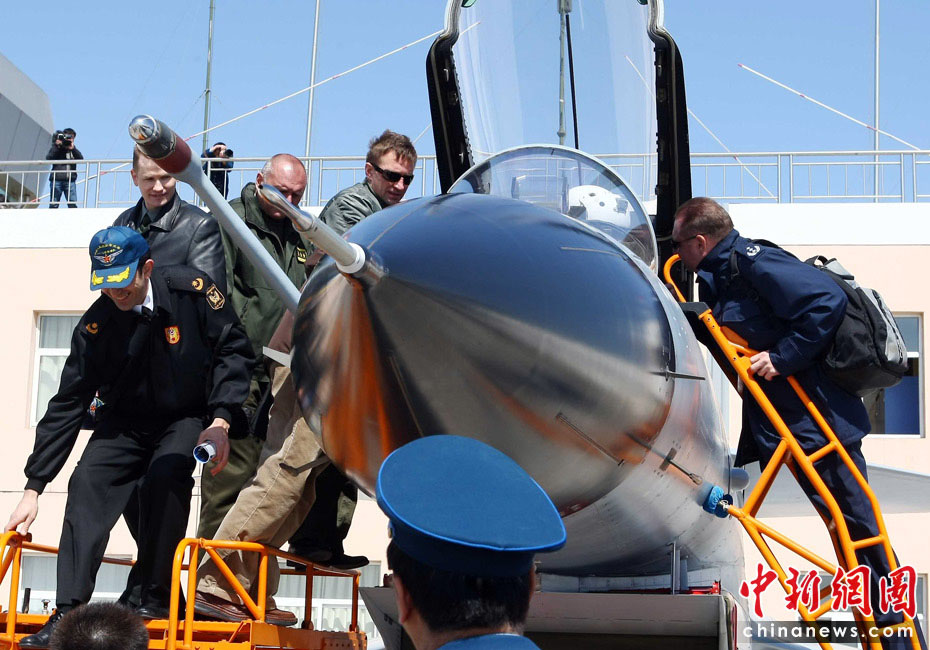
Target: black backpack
x,y
867,352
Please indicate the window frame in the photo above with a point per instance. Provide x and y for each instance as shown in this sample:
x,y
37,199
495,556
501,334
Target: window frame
x,y
921,433
39,353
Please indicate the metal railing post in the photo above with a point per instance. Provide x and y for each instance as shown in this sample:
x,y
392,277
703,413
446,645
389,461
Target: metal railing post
x,y
901,175
97,185
914,177
778,173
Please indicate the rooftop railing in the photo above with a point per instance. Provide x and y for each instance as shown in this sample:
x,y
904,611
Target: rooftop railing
x,y
765,177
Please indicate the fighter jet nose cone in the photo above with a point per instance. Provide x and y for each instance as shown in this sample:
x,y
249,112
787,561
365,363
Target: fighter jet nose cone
x,y
496,320
143,128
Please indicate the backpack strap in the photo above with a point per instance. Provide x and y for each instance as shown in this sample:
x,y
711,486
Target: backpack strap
x,y
734,254
818,261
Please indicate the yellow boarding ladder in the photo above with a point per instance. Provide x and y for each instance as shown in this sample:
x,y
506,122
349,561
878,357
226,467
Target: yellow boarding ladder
x,y
790,453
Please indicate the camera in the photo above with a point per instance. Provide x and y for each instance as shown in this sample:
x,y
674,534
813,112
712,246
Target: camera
x,y
63,140
229,153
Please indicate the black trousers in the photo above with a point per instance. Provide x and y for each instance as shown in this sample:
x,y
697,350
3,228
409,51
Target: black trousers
x,y
861,523
328,522
117,456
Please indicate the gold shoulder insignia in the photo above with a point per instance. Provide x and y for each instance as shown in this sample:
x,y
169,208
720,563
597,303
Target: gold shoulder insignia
x,y
301,255
215,297
197,284
92,328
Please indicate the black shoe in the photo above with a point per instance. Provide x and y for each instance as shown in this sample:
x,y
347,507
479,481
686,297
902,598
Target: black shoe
x,y
315,555
149,612
345,562
41,638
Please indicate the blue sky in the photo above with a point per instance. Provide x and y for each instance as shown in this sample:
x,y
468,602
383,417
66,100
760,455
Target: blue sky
x,y
103,62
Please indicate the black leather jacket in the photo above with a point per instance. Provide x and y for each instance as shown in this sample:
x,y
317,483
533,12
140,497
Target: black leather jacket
x,y
183,234
63,171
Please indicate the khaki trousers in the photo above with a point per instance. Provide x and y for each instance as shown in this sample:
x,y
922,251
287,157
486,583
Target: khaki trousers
x,y
270,508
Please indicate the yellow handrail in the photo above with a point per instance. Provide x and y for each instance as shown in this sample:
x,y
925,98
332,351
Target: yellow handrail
x,y
12,544
257,606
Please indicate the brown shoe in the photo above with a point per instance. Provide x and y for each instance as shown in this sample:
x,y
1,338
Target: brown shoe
x,y
215,607
281,617
219,608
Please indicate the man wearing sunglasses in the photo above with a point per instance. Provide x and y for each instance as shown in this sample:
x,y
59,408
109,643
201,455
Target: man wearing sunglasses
x,y
388,173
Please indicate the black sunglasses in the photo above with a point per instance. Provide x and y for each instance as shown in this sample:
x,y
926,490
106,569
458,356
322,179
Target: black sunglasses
x,y
677,244
393,177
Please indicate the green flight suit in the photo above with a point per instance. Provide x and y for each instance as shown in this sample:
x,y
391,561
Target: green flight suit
x,y
259,309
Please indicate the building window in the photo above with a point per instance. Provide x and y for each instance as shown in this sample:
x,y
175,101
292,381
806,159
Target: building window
x,y
899,409
39,573
54,344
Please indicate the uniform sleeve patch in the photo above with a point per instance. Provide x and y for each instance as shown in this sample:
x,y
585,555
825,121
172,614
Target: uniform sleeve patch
x,y
301,255
753,249
215,298
197,283
92,328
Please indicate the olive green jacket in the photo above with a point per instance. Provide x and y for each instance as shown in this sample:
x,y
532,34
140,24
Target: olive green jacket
x,y
255,302
350,206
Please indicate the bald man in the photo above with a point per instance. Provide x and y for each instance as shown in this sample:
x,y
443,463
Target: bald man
x,y
259,309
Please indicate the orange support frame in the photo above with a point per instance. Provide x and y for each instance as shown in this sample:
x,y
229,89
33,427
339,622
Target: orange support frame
x,y
790,453
256,606
197,634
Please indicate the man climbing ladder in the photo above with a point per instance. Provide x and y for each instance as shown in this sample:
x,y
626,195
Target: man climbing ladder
x,y
788,311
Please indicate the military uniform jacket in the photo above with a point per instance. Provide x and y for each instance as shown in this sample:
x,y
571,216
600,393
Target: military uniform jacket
x,y
350,206
491,642
183,234
191,359
256,304
780,304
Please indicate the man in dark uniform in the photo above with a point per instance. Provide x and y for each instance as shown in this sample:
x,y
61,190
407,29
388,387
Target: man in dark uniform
x,y
466,522
176,233
788,311
167,356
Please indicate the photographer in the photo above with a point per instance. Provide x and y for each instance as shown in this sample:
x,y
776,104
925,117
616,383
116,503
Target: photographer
x,y
216,165
62,181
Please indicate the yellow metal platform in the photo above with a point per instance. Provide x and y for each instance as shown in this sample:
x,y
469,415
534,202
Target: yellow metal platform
x,y
188,633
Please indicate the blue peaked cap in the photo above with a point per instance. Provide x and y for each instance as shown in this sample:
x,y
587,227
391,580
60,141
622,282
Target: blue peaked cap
x,y
114,255
457,504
